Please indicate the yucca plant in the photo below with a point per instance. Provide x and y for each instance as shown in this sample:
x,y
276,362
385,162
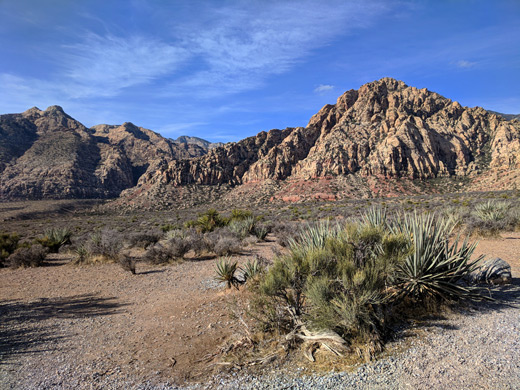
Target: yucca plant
x,y
54,239
251,269
226,269
261,232
375,216
82,254
435,267
492,210
314,236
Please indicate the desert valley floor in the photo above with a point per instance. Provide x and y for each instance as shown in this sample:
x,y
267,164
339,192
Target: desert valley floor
x,y
69,326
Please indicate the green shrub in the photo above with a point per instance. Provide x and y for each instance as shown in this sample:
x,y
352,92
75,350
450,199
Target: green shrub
x,y
8,244
54,239
492,210
335,279
107,244
207,222
251,270
435,267
239,215
225,269
82,254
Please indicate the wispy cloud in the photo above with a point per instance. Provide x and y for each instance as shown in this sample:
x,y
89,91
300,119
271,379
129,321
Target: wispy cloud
x,y
105,65
465,64
240,46
322,88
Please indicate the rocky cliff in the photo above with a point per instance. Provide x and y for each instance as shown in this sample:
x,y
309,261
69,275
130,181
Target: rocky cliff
x,y
383,138
48,154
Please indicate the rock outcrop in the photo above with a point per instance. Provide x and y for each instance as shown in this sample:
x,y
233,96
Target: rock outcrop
x,y
48,154
384,135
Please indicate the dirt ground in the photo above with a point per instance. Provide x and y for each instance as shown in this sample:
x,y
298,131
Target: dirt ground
x,y
162,324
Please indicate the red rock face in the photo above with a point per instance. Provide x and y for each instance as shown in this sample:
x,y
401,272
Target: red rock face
x,y
379,140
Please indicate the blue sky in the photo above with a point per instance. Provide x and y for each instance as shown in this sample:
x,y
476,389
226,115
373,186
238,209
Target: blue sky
x,y
224,70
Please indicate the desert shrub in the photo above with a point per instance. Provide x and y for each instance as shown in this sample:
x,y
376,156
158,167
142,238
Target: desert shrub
x,y
144,239
492,217
176,233
8,244
226,245
261,231
54,239
376,216
127,263
243,227
251,270
107,243
82,254
285,232
492,210
435,268
207,222
167,227
33,256
239,215
342,283
199,242
335,279
167,251
225,270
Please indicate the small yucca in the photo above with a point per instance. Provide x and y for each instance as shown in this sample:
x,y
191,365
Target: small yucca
x,y
225,269
54,239
251,269
492,210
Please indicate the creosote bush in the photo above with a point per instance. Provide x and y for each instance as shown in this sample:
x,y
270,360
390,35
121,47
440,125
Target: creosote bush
x,y
33,256
344,282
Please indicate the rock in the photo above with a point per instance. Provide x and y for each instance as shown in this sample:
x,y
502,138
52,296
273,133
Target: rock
x,y
48,154
377,141
492,271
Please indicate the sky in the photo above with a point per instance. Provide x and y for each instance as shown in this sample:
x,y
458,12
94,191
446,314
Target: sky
x,y
226,70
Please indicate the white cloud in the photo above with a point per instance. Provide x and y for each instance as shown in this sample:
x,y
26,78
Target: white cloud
x,y
322,88
239,46
465,64
104,65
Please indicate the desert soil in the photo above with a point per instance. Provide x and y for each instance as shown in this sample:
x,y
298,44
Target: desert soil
x,y
65,326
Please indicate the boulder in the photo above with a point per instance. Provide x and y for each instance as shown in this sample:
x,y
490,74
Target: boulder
x,y
492,271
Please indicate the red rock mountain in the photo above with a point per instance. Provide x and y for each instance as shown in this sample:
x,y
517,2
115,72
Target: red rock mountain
x,y
382,139
48,154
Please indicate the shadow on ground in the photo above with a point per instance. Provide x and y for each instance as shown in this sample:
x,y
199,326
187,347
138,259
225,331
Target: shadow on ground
x,y
24,326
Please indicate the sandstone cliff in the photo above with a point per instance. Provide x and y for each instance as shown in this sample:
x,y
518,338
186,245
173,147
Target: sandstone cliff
x,y
384,137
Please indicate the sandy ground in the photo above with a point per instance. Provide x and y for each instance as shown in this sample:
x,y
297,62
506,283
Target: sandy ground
x,y
80,324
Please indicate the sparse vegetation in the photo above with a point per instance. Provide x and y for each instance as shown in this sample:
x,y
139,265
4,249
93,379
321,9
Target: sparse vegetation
x,y
32,256
55,238
226,269
8,244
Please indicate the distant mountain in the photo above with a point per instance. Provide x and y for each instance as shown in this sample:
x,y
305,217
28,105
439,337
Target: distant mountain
x,y
507,116
48,154
185,139
384,139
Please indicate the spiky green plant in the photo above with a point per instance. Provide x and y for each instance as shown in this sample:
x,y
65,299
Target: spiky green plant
x,y
375,216
54,239
261,232
435,267
251,270
207,222
238,215
492,210
226,269
82,254
314,236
